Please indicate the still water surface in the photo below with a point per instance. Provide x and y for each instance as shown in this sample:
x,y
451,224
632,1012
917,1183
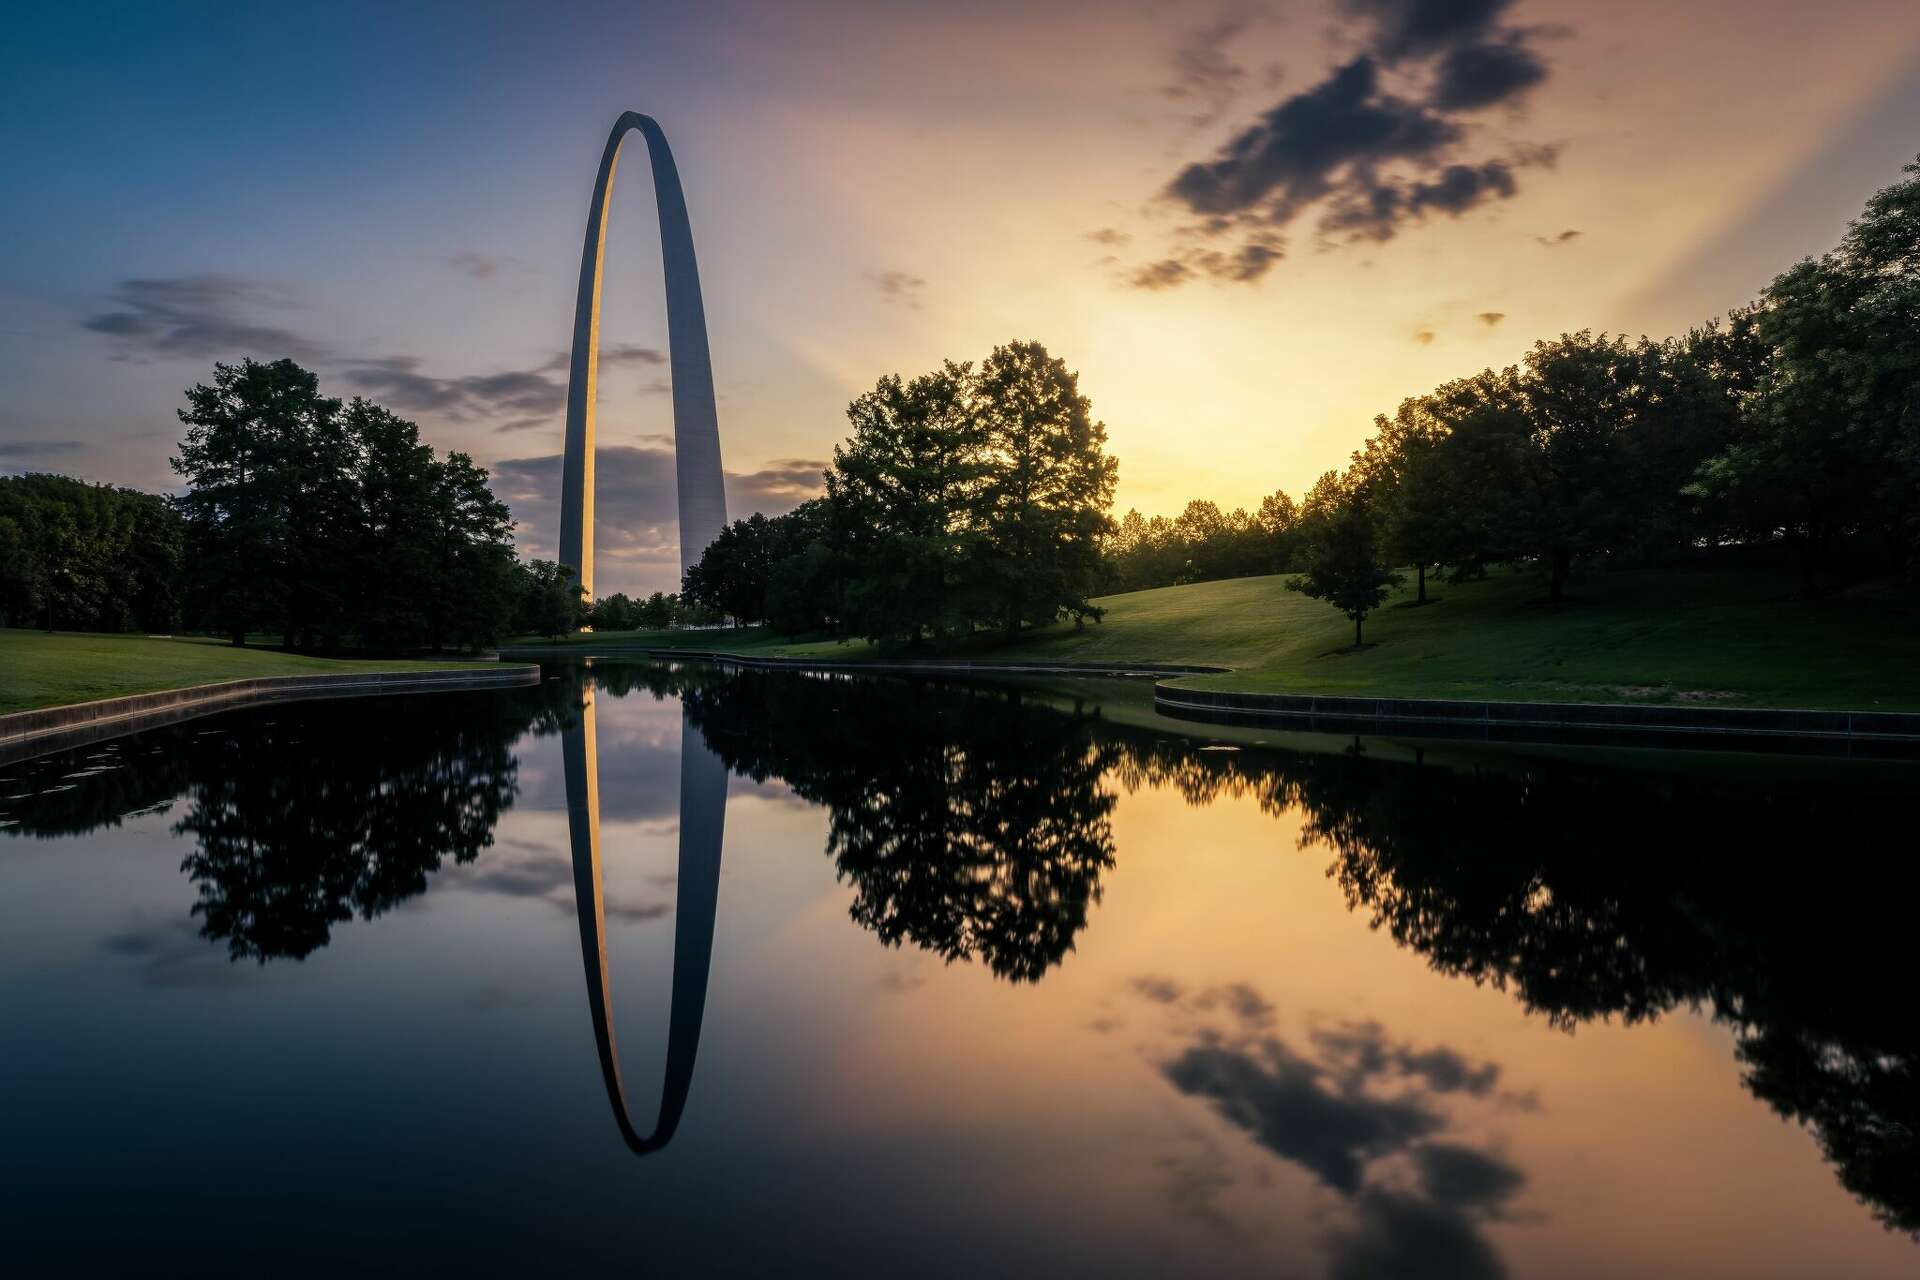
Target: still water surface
x,y
880,976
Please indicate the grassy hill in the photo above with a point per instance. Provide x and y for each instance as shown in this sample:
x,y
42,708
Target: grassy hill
x,y
1728,637
50,669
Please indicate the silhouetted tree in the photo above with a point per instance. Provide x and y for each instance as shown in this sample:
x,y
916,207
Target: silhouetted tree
x,y
1340,552
551,602
904,489
1042,509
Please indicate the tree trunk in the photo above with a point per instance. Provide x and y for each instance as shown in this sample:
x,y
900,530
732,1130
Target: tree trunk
x,y
1358,618
1557,581
1421,569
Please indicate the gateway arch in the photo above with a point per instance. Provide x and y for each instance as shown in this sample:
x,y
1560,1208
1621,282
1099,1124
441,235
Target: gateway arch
x,y
696,424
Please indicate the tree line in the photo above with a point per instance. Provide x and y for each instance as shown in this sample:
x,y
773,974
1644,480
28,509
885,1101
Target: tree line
x,y
1791,425
1202,544
87,557
326,524
964,499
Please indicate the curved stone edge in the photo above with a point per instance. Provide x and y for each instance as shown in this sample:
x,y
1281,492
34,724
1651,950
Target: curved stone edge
x,y
44,729
1589,722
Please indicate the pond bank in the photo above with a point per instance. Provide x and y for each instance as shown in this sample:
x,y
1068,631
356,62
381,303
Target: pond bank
x,y
43,729
1743,728
873,666
1869,733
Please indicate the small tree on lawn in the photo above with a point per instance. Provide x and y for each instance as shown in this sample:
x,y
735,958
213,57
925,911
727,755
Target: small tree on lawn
x,y
1340,543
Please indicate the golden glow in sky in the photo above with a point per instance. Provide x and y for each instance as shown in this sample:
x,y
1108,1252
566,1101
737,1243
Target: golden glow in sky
x,y
877,187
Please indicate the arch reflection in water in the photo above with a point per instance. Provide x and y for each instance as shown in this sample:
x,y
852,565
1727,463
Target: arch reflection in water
x,y
703,811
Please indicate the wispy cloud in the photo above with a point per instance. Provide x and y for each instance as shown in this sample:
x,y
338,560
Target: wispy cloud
x,y
29,451
637,536
199,317
1206,78
899,286
479,266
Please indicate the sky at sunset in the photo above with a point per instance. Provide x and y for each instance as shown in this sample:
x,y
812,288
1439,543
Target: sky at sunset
x,y
1249,226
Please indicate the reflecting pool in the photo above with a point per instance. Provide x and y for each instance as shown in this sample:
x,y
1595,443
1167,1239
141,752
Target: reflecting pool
x,y
698,970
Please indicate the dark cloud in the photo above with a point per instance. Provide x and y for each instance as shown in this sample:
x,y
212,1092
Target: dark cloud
x,y
524,877
529,395
31,450
1206,78
1367,1116
1482,75
628,353
1466,1178
1380,143
899,286
514,400
1421,28
1400,1235
1165,274
619,354
1362,1050
1157,989
200,317
630,912
1291,1106
1112,237
1461,187
1491,319
1303,149
634,509
1565,237
1239,999
480,266
1424,337
549,879
776,488
636,536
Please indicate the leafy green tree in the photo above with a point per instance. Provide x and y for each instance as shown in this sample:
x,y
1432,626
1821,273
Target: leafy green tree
x,y
616,612
657,612
470,542
551,601
1277,518
731,573
806,585
253,438
1403,468
395,560
1830,458
904,488
1042,511
87,556
1340,544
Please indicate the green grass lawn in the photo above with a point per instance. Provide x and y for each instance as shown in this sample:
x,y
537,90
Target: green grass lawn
x,y
1723,638
42,669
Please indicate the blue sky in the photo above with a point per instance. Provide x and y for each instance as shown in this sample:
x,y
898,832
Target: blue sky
x,y
394,195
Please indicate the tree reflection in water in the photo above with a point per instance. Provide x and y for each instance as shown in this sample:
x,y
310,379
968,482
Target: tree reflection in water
x,y
977,823
300,818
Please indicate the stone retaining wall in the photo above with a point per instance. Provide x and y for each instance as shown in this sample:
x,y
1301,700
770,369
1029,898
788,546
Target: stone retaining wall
x,y
44,729
1548,721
